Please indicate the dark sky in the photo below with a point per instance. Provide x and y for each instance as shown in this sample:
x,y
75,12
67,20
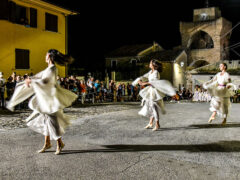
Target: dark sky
x,y
100,28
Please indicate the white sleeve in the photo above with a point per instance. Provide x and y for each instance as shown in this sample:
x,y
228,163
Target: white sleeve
x,y
209,84
141,78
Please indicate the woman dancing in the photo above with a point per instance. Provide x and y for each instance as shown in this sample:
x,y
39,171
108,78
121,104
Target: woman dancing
x,y
220,88
152,95
47,102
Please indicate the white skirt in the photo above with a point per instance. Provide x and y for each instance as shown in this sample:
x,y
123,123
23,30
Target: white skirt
x,y
52,125
221,105
152,109
220,101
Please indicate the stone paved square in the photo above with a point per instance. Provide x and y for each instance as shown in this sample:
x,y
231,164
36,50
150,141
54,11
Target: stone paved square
x,y
114,145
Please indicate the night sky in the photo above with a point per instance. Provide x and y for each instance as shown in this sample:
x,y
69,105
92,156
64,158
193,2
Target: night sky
x,y
100,28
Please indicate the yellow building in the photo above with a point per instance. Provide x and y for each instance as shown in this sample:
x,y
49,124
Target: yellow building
x,y
28,29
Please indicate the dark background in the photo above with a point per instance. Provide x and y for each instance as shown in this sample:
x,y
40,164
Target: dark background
x,y
101,27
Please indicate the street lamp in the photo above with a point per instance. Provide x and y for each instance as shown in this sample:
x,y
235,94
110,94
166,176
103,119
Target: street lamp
x,y
182,64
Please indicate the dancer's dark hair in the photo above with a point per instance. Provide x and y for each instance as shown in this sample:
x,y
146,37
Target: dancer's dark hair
x,y
225,65
59,58
156,64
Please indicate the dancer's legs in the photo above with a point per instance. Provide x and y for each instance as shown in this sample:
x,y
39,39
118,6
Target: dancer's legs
x,y
47,145
150,124
156,115
212,117
225,107
60,146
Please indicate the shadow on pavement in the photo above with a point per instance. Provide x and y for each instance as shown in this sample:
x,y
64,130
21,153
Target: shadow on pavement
x,y
106,104
202,126
7,112
206,126
221,146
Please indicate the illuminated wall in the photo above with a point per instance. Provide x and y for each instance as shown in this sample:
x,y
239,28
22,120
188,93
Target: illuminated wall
x,y
37,40
179,69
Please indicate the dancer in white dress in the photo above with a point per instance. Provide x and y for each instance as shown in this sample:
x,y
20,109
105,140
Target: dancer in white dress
x,y
152,95
220,88
196,94
47,102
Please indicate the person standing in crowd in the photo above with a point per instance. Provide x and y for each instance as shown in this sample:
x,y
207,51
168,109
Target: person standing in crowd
x,y
112,89
2,90
129,90
90,82
102,92
119,92
152,95
97,87
47,102
10,85
62,83
219,88
123,89
90,89
83,90
71,83
58,80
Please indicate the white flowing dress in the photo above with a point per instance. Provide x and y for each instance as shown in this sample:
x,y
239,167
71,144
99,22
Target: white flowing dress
x,y
195,96
217,88
47,102
152,95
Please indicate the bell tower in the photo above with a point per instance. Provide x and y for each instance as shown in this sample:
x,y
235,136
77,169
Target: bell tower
x,y
206,37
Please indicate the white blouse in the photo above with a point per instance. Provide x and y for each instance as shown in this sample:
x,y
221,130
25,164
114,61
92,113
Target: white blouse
x,y
152,76
222,79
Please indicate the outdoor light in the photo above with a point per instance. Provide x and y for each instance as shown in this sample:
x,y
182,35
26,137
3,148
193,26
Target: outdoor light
x,y
182,64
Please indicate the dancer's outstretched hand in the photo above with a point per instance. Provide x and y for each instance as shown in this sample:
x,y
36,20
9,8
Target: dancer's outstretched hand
x,y
140,83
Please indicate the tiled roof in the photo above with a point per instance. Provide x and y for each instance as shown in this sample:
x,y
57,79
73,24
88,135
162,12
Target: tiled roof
x,y
166,55
128,50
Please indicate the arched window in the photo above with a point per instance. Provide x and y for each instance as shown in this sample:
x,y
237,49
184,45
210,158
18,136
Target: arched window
x,y
201,40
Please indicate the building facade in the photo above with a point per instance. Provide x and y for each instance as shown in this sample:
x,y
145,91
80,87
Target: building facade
x,y
125,63
173,65
206,38
29,28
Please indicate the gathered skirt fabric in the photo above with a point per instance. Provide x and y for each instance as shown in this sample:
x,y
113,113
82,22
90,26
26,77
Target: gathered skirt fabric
x,y
152,98
221,105
220,101
52,125
152,109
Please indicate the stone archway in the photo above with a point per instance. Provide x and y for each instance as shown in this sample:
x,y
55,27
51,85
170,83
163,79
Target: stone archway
x,y
200,40
198,63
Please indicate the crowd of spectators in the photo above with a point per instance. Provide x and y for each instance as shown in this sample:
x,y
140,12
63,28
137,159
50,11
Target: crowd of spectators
x,y
93,91
88,90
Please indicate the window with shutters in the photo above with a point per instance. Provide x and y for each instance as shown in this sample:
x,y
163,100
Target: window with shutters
x,y
4,9
51,22
21,15
33,17
22,59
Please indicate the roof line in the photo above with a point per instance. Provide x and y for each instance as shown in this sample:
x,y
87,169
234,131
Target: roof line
x,y
55,4
50,6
